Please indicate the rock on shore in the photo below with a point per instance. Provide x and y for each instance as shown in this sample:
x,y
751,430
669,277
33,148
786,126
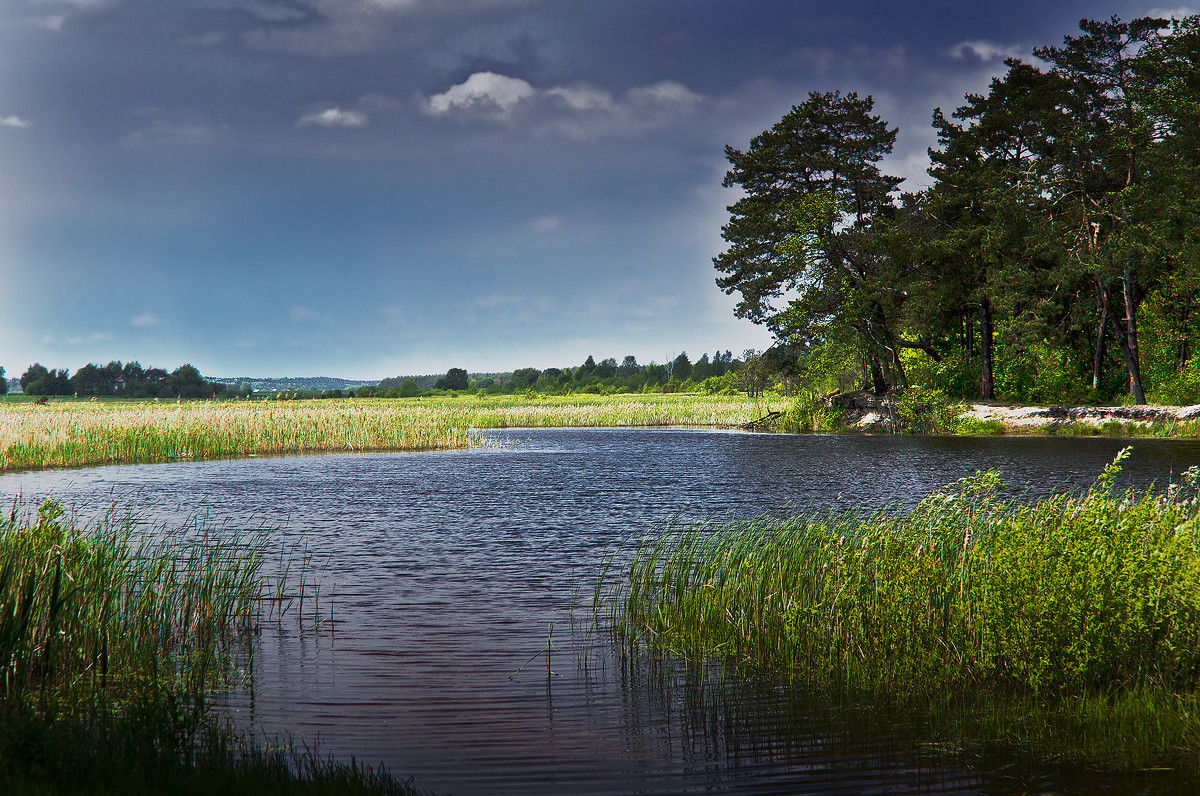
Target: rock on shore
x,y
1032,418
864,411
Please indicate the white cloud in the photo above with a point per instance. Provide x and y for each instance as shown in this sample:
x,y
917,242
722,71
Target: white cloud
x,y
100,337
546,224
173,128
145,319
210,39
266,11
494,300
484,93
15,121
579,110
1179,12
333,117
301,314
986,50
582,97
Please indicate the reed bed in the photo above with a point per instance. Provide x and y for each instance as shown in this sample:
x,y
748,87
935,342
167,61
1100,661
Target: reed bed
x,y
609,411
114,638
91,433
1083,610
72,434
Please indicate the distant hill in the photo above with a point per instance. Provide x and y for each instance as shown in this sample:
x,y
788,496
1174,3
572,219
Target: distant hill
x,y
290,383
322,383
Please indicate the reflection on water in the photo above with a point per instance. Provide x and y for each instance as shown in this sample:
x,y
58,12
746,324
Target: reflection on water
x,y
447,572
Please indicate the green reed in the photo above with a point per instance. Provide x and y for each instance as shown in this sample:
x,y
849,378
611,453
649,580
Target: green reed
x,y
114,638
1086,602
71,434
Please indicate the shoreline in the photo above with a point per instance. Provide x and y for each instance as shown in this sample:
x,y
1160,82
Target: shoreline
x,y
864,412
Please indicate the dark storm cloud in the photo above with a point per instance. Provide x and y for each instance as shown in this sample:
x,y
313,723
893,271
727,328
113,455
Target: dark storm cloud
x,y
371,187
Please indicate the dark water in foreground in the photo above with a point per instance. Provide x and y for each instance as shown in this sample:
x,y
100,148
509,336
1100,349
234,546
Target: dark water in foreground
x,y
449,571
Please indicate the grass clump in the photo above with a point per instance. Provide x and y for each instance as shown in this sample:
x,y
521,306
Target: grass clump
x,y
113,640
1078,611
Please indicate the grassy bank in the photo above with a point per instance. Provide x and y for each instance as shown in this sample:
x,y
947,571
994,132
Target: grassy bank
x,y
1071,625
77,433
112,642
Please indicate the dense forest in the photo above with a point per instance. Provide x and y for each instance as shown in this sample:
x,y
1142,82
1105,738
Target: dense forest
x,y
1053,257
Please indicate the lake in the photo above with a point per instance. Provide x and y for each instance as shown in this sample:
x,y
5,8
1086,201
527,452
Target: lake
x,y
448,574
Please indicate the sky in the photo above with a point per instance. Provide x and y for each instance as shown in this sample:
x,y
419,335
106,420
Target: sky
x,y
374,188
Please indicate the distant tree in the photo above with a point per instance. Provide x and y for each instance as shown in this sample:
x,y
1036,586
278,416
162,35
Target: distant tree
x,y
606,369
753,375
455,379
3,383
35,373
185,382
86,380
628,366
523,378
408,389
37,380
587,367
656,374
681,368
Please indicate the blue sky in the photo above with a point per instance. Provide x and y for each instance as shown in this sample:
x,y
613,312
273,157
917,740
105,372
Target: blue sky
x,y
370,188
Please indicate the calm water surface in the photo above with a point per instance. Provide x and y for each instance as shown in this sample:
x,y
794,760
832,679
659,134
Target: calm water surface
x,y
450,571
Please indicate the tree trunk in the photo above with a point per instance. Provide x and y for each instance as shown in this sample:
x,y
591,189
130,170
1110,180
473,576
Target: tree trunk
x,y
1131,327
1128,352
1184,348
1101,332
880,386
987,389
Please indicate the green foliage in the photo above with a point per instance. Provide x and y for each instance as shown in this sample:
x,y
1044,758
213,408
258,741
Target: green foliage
x,y
1040,374
809,412
1070,598
1061,219
972,427
455,379
923,411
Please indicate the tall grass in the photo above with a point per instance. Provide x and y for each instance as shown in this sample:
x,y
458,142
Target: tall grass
x,y
1089,604
113,639
611,411
71,434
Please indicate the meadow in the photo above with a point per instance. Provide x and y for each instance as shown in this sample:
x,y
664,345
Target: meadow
x,y
1069,627
66,433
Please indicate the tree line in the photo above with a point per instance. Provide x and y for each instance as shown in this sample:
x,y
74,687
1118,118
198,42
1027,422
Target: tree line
x,y
720,373
128,380
717,373
1054,257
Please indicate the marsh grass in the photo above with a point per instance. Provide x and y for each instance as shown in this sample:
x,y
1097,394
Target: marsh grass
x,y
1078,612
114,639
70,434
605,411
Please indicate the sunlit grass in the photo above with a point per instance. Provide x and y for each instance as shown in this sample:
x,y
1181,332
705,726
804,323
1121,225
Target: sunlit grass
x,y
67,434
1073,622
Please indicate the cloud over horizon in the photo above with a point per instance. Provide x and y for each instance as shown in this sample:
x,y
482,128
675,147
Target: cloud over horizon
x,y
362,187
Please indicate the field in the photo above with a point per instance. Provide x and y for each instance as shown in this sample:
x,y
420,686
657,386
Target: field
x,y
81,433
